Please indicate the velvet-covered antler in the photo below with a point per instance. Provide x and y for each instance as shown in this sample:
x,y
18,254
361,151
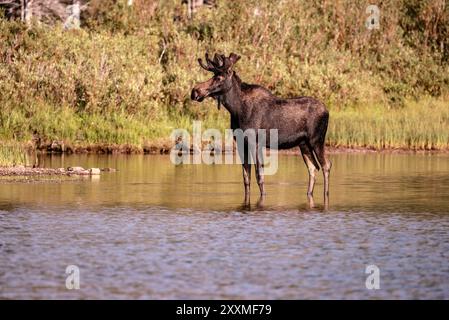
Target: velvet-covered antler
x,y
220,63
209,64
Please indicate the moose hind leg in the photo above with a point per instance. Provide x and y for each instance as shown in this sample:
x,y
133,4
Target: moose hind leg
x,y
326,165
246,177
260,171
312,166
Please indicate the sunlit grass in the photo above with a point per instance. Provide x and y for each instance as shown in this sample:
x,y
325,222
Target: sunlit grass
x,y
11,155
421,125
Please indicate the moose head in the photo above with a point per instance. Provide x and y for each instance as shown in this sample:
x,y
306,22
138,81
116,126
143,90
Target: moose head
x,y
221,66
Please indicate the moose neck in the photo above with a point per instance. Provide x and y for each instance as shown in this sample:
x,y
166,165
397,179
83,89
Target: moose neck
x,y
232,100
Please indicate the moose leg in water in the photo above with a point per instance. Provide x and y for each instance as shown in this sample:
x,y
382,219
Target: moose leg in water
x,y
259,172
326,166
256,155
312,167
246,166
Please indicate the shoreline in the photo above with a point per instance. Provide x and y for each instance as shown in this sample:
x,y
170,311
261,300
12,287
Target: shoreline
x,y
29,171
164,147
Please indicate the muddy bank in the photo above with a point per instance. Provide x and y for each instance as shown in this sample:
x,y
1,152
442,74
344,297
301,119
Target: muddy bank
x,y
164,147
339,150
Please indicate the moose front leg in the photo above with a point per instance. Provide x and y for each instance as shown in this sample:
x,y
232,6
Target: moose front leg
x,y
246,166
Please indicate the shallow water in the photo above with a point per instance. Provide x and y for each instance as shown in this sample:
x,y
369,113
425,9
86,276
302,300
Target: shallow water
x,y
159,231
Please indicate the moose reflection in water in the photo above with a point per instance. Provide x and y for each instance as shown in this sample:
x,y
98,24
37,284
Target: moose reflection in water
x,y
300,121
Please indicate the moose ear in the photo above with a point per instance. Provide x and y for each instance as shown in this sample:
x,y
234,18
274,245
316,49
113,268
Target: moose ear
x,y
234,57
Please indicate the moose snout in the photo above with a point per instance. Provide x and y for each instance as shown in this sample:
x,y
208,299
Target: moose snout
x,y
197,95
194,95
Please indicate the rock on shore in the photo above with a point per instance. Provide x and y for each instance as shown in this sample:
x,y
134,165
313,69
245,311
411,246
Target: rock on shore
x,y
28,171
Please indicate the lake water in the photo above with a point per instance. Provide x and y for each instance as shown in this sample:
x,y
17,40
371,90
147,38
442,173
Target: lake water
x,y
153,230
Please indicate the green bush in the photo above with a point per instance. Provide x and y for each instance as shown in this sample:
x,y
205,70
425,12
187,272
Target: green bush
x,y
126,76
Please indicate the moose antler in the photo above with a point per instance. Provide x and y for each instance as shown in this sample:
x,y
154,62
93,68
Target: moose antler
x,y
209,66
219,60
220,63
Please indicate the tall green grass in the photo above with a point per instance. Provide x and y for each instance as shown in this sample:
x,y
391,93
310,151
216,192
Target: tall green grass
x,y
11,155
422,125
126,76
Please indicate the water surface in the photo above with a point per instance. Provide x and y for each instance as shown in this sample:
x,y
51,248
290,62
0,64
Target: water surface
x,y
155,230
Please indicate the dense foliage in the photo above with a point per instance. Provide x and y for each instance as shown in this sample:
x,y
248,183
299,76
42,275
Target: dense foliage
x,y
126,75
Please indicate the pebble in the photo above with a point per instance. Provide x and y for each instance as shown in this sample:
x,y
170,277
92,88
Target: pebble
x,y
94,171
21,170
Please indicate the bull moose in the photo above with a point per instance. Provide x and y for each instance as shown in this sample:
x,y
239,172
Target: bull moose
x,y
300,121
